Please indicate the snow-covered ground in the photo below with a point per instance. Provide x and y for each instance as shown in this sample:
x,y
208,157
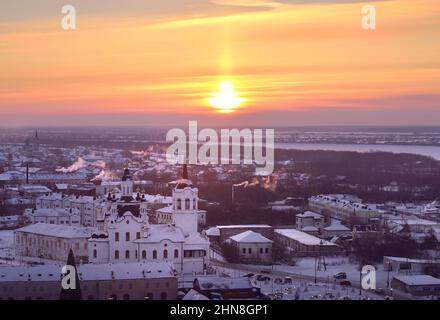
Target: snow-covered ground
x,y
303,289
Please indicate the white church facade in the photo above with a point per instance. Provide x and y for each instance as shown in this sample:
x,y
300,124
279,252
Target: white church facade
x,y
124,233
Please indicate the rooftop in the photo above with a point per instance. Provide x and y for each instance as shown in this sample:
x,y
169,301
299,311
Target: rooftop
x,y
418,280
118,271
303,237
60,231
250,237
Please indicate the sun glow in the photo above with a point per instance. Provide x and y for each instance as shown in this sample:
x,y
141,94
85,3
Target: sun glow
x,y
226,100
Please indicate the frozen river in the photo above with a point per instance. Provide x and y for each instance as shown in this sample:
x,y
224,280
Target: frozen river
x,y
430,151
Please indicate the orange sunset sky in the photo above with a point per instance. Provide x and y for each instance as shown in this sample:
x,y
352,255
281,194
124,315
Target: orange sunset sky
x,y
161,62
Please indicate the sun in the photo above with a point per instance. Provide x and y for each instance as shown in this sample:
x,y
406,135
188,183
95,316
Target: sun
x,y
226,100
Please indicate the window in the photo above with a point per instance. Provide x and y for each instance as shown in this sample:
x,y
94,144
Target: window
x,y
179,204
116,236
144,254
176,253
250,250
127,254
126,296
244,250
163,296
165,254
117,254
135,254
138,235
154,254
95,253
127,236
194,203
187,204
261,250
267,250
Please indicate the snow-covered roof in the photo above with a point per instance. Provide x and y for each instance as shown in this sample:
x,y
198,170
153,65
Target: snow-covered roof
x,y
310,214
195,241
421,222
407,260
9,218
337,227
303,237
418,280
213,232
168,209
53,212
283,208
250,237
194,295
159,232
118,271
60,231
249,226
310,229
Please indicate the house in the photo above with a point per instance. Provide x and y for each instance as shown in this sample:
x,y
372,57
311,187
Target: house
x,y
336,229
416,285
299,243
413,266
310,219
10,222
52,241
252,247
231,230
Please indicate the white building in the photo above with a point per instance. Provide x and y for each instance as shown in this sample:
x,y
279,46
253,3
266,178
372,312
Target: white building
x,y
125,235
346,208
303,244
252,247
310,219
125,281
69,217
51,241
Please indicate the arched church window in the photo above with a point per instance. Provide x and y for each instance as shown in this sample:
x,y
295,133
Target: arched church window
x,y
144,254
154,254
187,204
165,254
179,204
117,254
127,254
194,203
176,253
95,253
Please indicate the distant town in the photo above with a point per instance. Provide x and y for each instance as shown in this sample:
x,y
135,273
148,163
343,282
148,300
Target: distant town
x,y
134,227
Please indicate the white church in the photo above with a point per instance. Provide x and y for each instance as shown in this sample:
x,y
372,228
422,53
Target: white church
x,y
124,233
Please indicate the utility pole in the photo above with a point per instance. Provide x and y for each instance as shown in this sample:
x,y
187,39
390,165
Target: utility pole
x,y
316,258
